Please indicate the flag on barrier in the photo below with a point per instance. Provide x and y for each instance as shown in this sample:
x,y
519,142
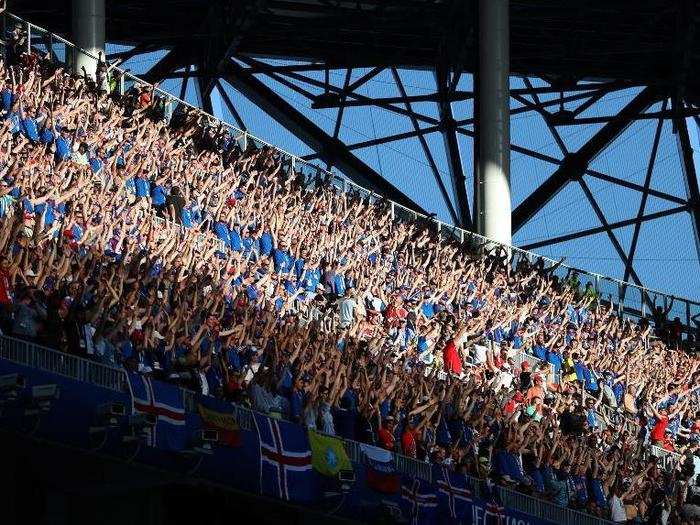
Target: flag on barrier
x,y
419,501
328,455
165,402
224,423
285,459
454,494
495,512
381,472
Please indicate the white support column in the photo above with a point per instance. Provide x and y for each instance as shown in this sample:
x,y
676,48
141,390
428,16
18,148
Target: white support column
x,y
88,33
493,213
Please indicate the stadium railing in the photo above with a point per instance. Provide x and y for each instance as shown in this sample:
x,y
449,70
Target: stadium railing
x,y
535,507
61,363
630,299
114,378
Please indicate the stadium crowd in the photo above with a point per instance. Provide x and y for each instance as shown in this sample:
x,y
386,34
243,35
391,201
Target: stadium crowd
x,y
154,242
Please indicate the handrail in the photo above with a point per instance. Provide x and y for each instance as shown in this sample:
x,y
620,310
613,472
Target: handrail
x,y
534,507
67,365
619,287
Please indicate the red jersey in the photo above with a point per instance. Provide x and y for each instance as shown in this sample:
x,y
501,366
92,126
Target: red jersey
x,y
451,358
394,315
408,443
659,430
386,439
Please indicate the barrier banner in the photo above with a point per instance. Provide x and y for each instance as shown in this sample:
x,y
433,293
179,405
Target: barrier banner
x,y
285,460
223,421
481,512
163,401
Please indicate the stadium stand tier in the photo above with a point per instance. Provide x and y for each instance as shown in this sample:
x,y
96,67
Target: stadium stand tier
x,y
203,300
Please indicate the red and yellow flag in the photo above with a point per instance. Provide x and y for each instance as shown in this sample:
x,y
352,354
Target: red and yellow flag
x,y
224,423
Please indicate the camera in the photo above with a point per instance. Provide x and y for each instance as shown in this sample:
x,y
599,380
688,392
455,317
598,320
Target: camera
x,y
11,383
346,476
207,436
142,421
10,386
345,479
45,392
108,415
112,410
138,424
202,442
42,397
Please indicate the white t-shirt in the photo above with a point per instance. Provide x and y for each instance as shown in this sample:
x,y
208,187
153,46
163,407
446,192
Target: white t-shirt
x,y
617,510
205,384
89,335
480,353
665,515
327,419
375,302
251,371
505,380
347,311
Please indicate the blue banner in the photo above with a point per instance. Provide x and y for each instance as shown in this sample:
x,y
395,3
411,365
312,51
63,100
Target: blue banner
x,y
482,512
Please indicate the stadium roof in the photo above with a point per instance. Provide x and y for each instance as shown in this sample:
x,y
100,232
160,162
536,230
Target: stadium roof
x,y
604,105
641,41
